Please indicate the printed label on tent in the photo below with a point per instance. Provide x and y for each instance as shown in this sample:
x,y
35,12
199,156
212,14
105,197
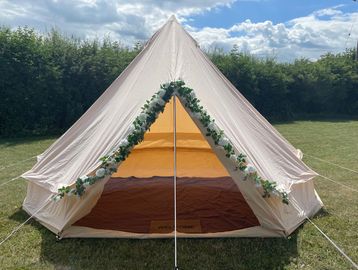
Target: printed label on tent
x,y
183,225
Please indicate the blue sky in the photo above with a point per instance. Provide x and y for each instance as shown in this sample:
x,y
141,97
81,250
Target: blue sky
x,y
284,29
274,10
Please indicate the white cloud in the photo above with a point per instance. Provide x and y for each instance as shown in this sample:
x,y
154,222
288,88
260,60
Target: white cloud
x,y
127,21
309,36
324,30
328,11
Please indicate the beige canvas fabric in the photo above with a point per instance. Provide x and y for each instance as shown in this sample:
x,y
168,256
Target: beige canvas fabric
x,y
171,54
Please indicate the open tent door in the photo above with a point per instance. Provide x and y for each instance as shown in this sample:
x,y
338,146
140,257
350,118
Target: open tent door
x,y
139,197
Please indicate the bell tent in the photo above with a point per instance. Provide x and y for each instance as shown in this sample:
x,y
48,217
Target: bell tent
x,y
171,147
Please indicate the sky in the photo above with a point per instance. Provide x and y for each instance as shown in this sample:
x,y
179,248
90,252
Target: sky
x,y
282,29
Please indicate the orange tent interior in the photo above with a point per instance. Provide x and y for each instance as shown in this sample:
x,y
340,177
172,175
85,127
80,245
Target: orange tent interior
x,y
139,197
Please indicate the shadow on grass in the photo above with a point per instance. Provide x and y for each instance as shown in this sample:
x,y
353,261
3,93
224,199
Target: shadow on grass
x,y
322,213
315,118
223,253
8,142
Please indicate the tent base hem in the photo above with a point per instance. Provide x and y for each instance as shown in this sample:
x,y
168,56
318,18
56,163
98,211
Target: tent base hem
x,y
86,232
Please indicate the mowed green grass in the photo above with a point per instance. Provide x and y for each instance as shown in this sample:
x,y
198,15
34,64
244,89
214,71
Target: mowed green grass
x,y
34,247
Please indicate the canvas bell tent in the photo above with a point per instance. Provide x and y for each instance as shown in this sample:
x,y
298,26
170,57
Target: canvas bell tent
x,y
171,147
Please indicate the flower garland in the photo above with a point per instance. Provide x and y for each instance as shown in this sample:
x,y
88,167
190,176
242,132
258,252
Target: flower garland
x,y
110,162
150,111
223,143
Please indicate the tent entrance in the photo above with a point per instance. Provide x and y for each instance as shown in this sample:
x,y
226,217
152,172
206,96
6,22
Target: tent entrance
x,y
139,198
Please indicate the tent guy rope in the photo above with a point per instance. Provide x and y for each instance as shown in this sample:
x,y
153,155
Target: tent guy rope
x,y
326,161
337,183
339,166
27,220
302,212
15,163
12,179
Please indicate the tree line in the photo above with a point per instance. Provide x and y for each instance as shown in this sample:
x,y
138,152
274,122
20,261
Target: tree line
x,y
48,81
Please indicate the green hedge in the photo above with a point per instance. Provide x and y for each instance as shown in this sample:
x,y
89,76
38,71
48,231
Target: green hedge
x,y
48,81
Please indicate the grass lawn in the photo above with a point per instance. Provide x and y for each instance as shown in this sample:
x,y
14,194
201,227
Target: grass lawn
x,y
34,247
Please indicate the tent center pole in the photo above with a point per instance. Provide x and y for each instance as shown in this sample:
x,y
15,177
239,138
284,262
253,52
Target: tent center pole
x,y
175,182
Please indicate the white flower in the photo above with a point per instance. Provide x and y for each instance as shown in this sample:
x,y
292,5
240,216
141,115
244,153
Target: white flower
x,y
213,126
224,141
249,170
192,95
233,158
152,103
280,188
143,117
84,178
100,172
258,184
86,184
71,193
111,161
132,128
196,115
123,143
161,93
56,198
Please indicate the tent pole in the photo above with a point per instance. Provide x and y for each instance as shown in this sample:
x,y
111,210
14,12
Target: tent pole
x,y
175,181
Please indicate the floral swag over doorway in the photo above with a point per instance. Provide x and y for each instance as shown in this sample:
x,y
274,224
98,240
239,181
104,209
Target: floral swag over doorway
x,y
150,112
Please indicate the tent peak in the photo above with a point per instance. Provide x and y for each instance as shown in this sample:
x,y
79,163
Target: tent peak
x,y
173,18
